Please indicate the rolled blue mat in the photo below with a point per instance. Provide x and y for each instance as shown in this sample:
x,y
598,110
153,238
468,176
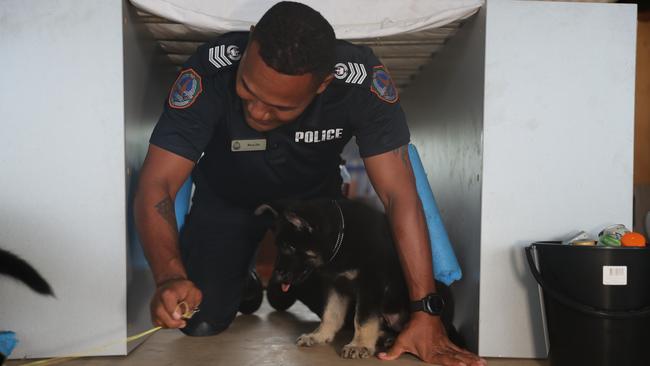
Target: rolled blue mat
x,y
445,264
182,203
7,343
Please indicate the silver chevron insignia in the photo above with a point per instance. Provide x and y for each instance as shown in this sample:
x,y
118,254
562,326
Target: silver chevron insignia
x,y
217,56
357,73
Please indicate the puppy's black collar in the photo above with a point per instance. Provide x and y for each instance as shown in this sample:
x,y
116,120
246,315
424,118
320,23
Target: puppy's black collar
x,y
339,237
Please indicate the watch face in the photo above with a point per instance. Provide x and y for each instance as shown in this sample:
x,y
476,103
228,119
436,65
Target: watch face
x,y
434,304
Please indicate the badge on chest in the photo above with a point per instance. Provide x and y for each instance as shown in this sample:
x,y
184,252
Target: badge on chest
x,y
248,145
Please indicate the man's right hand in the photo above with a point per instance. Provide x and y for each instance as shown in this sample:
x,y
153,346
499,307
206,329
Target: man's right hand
x,y
165,311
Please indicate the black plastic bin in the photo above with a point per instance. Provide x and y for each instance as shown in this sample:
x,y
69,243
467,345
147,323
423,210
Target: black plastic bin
x,y
590,323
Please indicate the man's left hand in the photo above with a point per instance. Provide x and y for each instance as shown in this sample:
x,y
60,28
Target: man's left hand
x,y
426,338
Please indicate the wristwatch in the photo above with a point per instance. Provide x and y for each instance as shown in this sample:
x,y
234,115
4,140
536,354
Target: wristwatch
x,y
431,304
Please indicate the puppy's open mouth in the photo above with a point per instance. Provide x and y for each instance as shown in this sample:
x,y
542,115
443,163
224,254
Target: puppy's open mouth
x,y
285,286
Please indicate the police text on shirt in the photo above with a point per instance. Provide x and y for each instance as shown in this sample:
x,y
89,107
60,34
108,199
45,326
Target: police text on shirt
x,y
319,136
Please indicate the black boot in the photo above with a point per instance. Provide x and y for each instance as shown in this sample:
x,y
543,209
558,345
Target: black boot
x,y
252,296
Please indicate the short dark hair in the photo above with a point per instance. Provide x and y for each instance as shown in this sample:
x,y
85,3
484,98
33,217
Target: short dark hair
x,y
295,39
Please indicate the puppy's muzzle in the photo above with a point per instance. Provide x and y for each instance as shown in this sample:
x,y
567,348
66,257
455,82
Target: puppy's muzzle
x,y
287,279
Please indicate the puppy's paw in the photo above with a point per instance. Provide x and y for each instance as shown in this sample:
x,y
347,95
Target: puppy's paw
x,y
311,339
356,351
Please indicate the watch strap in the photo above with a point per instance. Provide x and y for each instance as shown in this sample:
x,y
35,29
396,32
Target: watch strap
x,y
431,304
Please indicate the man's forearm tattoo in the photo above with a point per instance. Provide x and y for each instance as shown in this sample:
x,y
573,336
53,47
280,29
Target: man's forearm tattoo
x,y
403,152
166,209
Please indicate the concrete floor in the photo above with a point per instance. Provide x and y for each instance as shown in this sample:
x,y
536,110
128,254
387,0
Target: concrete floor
x,y
265,338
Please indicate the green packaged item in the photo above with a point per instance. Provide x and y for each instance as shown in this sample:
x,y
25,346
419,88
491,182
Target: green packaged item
x,y
609,240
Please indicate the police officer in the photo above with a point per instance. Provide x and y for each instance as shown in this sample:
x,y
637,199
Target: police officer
x,y
260,117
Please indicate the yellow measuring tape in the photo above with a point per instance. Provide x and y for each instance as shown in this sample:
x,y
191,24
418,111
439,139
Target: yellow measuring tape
x,y
187,314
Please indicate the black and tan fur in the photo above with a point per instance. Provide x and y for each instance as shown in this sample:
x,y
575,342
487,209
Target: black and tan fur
x,y
365,271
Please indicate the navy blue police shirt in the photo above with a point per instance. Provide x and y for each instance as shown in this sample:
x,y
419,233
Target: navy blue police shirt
x,y
203,122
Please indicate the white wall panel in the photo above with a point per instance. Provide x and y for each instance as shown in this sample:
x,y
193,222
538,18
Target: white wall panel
x,y
536,105
62,172
558,147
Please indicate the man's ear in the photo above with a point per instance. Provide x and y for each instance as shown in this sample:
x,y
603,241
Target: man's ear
x,y
325,83
297,221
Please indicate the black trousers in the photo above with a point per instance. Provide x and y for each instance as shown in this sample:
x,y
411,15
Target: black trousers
x,y
218,243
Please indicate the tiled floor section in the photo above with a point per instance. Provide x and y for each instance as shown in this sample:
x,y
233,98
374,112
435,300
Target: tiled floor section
x,y
266,338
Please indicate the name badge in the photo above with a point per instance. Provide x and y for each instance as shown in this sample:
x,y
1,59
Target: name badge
x,y
248,145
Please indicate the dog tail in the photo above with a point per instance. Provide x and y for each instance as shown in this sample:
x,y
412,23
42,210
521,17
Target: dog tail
x,y
13,266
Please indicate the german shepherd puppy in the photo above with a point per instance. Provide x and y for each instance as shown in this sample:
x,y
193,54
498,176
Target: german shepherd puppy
x,y
350,246
13,266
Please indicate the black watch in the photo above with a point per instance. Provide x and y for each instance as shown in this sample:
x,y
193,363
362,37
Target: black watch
x,y
431,304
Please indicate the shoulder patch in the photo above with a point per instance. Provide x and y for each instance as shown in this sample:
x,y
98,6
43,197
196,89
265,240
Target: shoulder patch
x,y
224,55
186,89
382,85
350,72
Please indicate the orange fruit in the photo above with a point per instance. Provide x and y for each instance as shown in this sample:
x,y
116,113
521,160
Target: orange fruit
x,y
633,239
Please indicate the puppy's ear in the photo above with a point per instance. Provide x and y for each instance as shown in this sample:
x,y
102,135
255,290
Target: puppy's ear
x,y
261,209
297,221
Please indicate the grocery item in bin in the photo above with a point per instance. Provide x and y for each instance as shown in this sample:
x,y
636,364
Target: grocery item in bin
x,y
633,239
584,243
611,235
581,239
581,235
617,231
608,241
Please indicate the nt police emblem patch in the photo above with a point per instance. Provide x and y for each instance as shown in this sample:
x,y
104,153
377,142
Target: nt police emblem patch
x,y
382,85
185,90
